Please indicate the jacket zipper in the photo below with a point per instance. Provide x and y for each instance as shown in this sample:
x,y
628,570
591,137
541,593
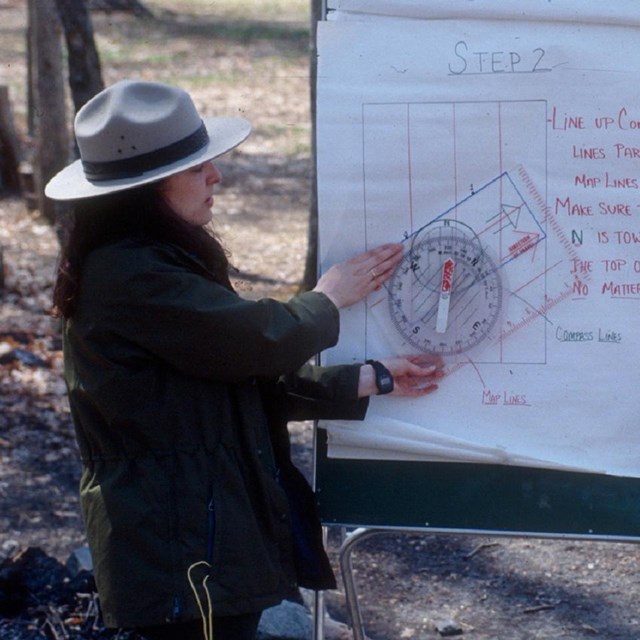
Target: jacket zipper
x,y
177,609
212,530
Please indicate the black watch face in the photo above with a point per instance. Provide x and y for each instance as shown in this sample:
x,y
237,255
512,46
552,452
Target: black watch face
x,y
384,383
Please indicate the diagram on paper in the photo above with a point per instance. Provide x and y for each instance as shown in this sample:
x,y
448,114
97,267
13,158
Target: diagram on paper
x,y
515,196
474,279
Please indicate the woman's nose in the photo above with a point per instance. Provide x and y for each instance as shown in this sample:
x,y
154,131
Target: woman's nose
x,y
214,176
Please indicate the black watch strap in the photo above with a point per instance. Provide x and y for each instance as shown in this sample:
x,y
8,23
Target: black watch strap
x,y
384,379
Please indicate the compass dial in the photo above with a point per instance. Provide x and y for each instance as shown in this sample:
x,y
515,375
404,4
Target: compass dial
x,y
445,296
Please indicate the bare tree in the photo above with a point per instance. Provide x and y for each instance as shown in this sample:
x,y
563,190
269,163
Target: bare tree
x,y
85,75
311,264
9,145
51,136
48,124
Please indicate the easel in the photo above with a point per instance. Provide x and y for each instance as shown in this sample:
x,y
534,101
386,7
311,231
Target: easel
x,y
465,499
462,499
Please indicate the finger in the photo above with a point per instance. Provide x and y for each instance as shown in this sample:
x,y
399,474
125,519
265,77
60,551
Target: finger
x,y
425,391
384,268
420,370
384,251
377,254
424,359
415,392
425,378
381,262
385,261
380,274
419,366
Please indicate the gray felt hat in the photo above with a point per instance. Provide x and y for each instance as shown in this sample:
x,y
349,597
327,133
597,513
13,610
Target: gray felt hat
x,y
134,133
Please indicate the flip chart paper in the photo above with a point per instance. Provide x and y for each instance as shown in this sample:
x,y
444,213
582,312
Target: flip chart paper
x,y
518,140
621,12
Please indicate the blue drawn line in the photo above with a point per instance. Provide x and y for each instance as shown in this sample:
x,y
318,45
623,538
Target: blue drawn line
x,y
445,214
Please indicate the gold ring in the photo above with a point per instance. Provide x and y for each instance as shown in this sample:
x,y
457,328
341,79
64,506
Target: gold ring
x,y
374,274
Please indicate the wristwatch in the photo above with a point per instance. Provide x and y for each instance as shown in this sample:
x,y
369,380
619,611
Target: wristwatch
x,y
384,379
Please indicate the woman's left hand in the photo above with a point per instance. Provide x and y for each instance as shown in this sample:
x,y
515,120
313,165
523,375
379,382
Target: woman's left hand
x,y
413,376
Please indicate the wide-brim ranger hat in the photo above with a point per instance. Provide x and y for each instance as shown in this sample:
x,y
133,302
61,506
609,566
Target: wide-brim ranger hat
x,y
136,132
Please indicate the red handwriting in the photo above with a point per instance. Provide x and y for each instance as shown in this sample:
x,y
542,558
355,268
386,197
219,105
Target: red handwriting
x,y
504,399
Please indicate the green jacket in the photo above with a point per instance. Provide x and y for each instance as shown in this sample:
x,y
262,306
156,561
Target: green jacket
x,y
180,391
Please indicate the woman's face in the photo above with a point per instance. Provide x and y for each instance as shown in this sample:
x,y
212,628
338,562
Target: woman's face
x,y
190,192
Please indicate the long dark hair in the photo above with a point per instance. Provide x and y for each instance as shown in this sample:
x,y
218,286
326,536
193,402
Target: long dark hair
x,y
141,213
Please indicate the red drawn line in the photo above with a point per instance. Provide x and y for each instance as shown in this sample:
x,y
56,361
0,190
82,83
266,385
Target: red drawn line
x,y
459,365
542,273
455,156
500,160
500,240
473,364
501,217
410,169
542,312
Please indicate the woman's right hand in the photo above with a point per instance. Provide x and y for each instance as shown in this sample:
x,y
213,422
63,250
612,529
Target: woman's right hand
x,y
350,281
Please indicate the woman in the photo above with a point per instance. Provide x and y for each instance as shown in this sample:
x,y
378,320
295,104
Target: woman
x,y
180,390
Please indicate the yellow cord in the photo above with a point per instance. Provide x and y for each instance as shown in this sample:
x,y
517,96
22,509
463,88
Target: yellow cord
x,y
207,618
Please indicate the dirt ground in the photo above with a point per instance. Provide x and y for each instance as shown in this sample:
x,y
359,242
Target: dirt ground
x,y
410,585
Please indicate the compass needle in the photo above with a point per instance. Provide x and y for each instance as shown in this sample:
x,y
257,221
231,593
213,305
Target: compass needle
x,y
442,319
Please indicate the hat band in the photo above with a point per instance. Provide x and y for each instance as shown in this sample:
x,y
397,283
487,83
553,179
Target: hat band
x,y
137,165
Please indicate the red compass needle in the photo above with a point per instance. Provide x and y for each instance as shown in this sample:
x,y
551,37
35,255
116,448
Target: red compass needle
x,y
442,319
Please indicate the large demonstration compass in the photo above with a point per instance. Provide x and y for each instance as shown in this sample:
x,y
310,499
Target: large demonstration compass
x,y
445,296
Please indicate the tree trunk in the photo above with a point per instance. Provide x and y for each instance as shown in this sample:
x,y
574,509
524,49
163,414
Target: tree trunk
x,y
52,140
85,76
9,146
311,265
31,64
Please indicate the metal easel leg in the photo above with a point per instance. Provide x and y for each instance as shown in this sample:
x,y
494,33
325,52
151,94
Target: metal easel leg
x,y
318,604
354,538
318,615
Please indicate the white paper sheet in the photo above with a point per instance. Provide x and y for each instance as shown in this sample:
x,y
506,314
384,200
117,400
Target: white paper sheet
x,y
524,137
621,12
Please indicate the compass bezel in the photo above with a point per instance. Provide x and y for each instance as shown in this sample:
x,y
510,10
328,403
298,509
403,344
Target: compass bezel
x,y
442,242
